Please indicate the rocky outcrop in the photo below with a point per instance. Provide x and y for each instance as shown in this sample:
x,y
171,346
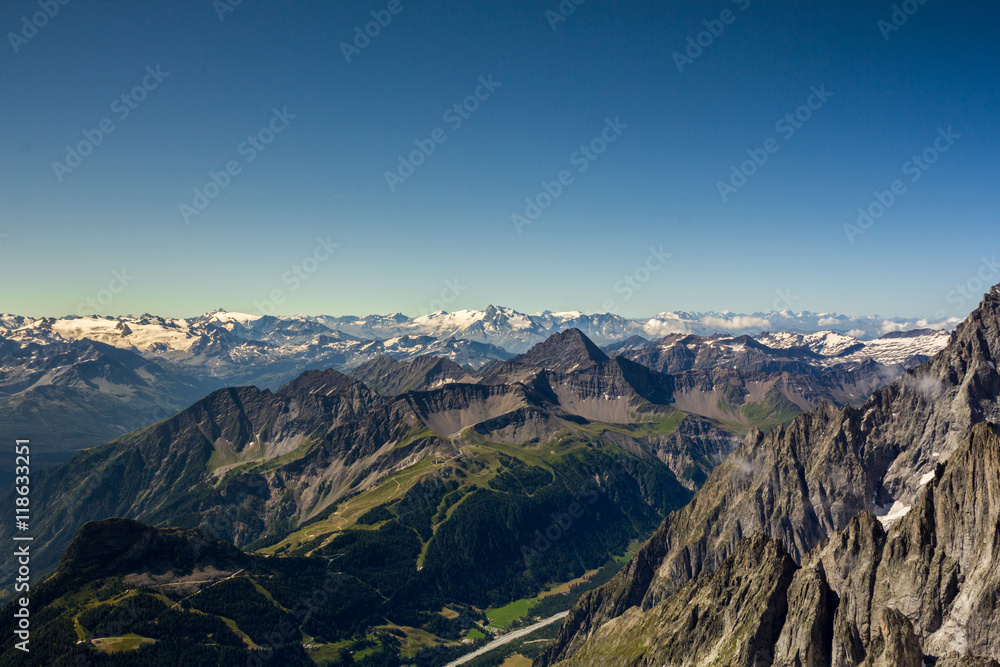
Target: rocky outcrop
x,y
927,589
895,645
803,482
941,563
850,561
563,352
729,618
807,637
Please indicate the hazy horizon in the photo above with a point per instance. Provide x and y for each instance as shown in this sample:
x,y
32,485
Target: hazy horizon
x,y
946,322
714,154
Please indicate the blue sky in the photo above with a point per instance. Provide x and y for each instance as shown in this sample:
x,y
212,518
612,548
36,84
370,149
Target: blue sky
x,y
448,227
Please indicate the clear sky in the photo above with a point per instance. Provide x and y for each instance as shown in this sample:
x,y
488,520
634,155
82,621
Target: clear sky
x,y
880,96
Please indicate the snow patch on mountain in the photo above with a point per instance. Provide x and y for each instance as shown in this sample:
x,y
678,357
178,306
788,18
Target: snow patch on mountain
x,y
891,350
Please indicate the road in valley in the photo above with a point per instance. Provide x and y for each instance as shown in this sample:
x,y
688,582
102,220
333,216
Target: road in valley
x,y
507,638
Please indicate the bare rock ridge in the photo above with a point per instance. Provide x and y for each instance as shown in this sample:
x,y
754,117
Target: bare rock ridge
x,y
563,352
63,385
695,626
802,483
248,463
928,590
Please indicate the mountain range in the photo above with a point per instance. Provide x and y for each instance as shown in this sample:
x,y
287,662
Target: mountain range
x,y
76,382
858,535
503,327
516,332
452,498
434,488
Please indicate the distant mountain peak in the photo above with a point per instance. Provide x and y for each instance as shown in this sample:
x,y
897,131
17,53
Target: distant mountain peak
x,y
564,352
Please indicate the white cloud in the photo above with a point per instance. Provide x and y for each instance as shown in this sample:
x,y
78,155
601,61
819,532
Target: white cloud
x,y
928,386
657,327
890,327
738,322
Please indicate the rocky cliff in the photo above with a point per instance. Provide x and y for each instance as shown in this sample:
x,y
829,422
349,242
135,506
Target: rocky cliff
x,y
803,482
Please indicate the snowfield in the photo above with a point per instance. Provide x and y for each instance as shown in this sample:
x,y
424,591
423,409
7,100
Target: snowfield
x,y
469,337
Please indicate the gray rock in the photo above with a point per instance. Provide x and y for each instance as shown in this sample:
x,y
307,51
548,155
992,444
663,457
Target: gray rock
x,y
895,645
805,482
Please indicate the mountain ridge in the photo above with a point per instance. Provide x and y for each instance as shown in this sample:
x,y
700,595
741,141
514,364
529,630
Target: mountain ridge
x,y
927,588
801,482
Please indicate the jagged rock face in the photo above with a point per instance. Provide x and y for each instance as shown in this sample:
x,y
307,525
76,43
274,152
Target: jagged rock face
x,y
728,618
691,452
929,588
807,637
849,559
895,645
797,483
941,564
563,352
802,482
